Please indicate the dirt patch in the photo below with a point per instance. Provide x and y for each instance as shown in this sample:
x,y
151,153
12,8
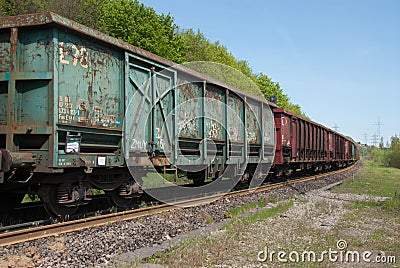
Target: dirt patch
x,y
14,261
58,245
32,252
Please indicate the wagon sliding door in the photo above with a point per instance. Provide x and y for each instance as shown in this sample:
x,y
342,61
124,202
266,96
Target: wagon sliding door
x,y
149,101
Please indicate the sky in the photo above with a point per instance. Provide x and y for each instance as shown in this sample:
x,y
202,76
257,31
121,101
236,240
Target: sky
x,y
339,60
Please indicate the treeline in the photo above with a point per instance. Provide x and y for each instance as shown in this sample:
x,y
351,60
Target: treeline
x,y
387,156
141,26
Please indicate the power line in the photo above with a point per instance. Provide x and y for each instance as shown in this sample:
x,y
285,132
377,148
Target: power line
x,y
379,124
366,138
374,139
335,127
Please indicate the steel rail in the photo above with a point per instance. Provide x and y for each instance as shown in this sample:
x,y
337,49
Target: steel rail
x,y
30,234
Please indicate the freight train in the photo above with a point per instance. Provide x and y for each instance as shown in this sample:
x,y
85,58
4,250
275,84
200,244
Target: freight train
x,y
81,110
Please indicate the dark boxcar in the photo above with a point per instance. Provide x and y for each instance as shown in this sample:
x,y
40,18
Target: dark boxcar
x,y
302,144
77,105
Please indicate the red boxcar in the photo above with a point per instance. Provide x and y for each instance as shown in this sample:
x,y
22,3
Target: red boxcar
x,y
302,144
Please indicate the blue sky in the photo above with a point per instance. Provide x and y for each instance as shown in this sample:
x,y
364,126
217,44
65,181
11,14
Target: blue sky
x,y
339,60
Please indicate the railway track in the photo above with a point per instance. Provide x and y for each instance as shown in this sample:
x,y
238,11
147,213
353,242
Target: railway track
x,y
29,234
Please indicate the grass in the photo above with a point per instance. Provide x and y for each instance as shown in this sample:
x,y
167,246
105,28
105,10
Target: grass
x,y
374,179
262,215
35,198
252,218
378,220
29,198
393,204
390,205
363,204
209,219
245,208
154,179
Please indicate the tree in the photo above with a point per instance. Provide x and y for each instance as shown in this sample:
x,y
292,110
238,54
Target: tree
x,y
270,88
394,160
143,27
83,11
202,51
394,142
199,48
6,8
389,156
124,19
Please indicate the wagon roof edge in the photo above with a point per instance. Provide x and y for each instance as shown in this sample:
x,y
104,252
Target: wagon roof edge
x,y
48,17
284,111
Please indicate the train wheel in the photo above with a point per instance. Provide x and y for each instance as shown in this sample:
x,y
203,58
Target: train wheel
x,y
118,201
49,197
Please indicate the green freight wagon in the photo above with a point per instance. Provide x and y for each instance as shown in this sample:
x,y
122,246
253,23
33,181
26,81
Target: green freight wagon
x,y
80,110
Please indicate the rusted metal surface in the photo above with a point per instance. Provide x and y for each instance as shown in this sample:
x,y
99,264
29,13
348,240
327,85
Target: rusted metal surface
x,y
214,113
253,122
189,109
286,133
57,82
90,88
299,140
235,110
5,52
268,127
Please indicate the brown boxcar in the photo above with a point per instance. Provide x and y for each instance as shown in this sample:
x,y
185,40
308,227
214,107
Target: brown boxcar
x,y
302,144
